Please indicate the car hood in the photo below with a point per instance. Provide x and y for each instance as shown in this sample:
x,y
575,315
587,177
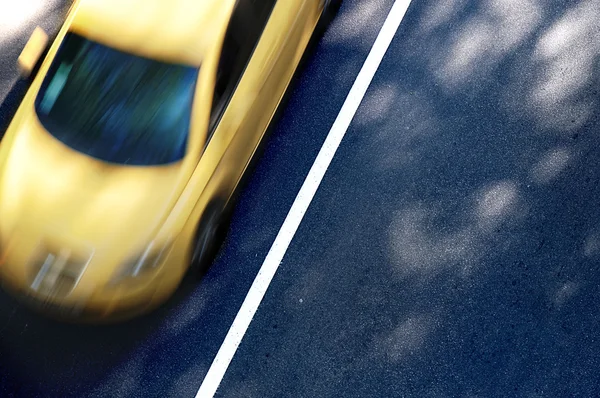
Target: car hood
x,y
47,189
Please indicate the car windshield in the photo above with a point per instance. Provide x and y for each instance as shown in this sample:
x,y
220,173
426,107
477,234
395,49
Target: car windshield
x,y
115,106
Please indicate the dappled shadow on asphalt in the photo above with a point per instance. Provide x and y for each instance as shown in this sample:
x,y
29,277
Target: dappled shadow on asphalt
x,y
464,198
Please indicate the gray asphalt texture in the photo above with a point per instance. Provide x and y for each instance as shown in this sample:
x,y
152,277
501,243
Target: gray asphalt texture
x,y
451,250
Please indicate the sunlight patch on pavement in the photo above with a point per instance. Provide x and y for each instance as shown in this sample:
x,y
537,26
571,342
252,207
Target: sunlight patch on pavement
x,y
439,14
485,39
550,165
405,339
350,25
552,84
16,16
591,246
420,246
565,292
424,242
497,201
376,105
566,59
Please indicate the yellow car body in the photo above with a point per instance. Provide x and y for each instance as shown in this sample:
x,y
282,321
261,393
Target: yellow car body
x,y
89,238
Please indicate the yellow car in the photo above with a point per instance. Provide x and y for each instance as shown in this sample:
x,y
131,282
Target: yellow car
x,y
122,159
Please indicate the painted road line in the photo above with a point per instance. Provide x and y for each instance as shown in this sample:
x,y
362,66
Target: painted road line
x,y
269,267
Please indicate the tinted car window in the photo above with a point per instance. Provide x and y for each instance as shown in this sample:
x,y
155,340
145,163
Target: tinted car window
x,y
116,106
245,27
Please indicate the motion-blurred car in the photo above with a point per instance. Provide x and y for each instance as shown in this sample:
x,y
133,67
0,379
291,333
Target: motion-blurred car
x,y
118,168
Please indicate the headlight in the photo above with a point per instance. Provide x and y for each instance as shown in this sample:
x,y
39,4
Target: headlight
x,y
143,264
56,272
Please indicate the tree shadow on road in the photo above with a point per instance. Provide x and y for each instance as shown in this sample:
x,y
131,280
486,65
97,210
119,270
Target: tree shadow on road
x,y
452,249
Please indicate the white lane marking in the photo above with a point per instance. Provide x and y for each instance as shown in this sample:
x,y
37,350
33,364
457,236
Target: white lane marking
x,y
305,195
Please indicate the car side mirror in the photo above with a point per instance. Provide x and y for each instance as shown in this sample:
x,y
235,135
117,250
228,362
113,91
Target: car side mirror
x,y
31,54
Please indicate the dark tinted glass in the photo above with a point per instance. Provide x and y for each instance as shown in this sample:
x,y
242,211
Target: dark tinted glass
x,y
115,106
247,23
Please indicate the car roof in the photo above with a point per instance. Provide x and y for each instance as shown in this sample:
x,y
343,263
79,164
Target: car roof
x,y
178,31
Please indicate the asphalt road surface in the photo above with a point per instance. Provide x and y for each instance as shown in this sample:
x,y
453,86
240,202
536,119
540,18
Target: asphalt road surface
x,y
452,249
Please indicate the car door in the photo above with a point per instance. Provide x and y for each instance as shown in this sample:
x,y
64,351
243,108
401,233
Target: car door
x,y
260,52
265,42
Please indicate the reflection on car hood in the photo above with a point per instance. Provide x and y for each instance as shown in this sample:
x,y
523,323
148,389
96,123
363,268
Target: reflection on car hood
x,y
46,185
